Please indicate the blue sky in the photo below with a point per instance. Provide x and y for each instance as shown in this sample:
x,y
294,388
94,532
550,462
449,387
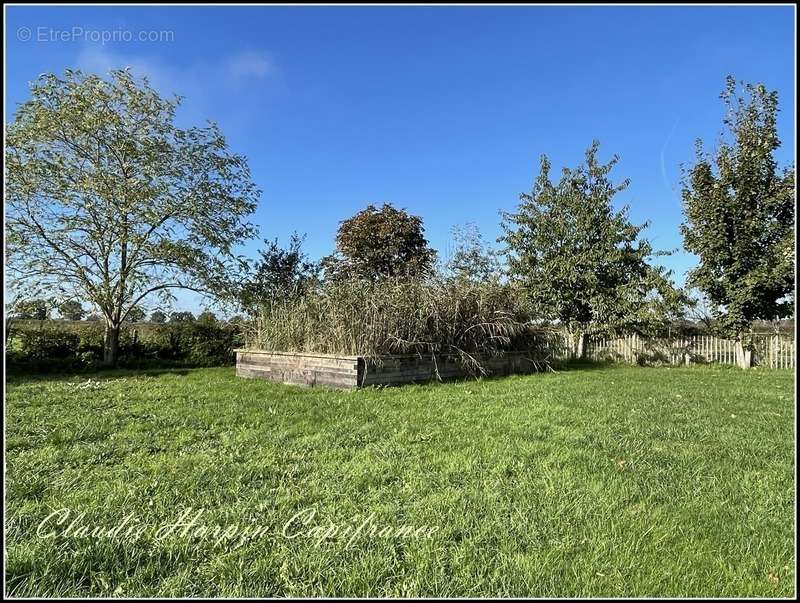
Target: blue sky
x,y
441,110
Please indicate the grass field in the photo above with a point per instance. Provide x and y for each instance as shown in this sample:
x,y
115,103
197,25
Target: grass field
x,y
588,482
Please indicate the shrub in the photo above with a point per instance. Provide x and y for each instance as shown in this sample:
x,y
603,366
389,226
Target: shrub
x,y
199,344
48,343
61,346
91,336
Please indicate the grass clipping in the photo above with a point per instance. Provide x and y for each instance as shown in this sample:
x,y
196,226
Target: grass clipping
x,y
401,316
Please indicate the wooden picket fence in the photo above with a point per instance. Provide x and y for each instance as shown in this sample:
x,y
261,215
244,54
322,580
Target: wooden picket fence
x,y
770,350
775,351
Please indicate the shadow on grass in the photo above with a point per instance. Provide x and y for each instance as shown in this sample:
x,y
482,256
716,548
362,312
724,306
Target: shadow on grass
x,y
19,376
582,365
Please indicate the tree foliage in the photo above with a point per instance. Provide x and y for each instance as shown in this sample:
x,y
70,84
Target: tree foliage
x,y
207,317
379,243
109,201
582,262
135,314
32,309
71,310
279,274
472,259
181,317
158,317
739,215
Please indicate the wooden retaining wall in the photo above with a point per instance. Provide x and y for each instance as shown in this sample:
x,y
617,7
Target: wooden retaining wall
x,y
299,369
357,371
396,370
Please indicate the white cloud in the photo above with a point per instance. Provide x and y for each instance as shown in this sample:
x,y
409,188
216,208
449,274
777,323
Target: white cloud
x,y
212,89
249,64
167,80
236,67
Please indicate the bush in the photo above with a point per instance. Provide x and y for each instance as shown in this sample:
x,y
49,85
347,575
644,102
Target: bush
x,y
199,344
45,347
48,343
92,335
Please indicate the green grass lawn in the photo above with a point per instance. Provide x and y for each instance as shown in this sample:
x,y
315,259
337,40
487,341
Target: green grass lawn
x,y
588,482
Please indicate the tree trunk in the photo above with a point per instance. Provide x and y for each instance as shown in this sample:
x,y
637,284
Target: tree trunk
x,y
579,346
9,322
744,357
111,345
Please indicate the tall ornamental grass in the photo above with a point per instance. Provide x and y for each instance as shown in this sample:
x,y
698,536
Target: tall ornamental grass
x,y
394,316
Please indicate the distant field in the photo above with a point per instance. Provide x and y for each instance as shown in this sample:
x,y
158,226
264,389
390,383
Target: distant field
x,y
587,482
24,323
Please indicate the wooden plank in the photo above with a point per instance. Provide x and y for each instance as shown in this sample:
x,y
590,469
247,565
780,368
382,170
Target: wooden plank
x,y
283,369
265,360
304,378
298,369
313,363
422,370
296,354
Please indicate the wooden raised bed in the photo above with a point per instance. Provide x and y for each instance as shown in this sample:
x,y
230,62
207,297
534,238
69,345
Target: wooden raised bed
x,y
358,371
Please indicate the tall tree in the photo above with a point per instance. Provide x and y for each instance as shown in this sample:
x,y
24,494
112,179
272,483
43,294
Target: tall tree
x,y
207,317
279,274
32,309
583,263
135,314
179,316
71,309
472,259
108,200
376,243
158,317
739,216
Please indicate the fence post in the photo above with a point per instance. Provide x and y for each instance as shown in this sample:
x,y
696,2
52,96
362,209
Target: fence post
x,y
773,352
581,347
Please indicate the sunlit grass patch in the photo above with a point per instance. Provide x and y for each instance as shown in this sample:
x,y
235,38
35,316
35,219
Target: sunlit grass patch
x,y
591,481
